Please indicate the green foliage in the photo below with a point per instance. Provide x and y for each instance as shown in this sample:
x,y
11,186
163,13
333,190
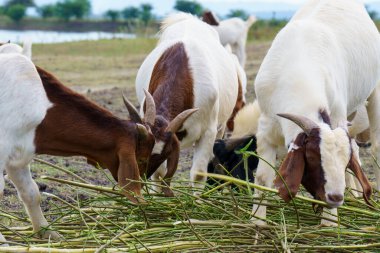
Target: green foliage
x,y
131,13
372,13
16,12
192,7
46,11
73,8
26,3
146,13
265,30
238,14
112,15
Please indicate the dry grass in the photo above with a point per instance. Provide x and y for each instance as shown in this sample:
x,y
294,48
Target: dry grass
x,y
162,225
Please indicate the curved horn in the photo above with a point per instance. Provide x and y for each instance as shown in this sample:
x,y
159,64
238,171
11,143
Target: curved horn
x,y
177,122
150,108
306,124
133,113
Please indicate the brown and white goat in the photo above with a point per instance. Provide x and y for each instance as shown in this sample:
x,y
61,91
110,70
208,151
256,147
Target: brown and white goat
x,y
187,71
41,116
316,73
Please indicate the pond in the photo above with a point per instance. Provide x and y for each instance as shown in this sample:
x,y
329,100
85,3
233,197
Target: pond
x,y
57,37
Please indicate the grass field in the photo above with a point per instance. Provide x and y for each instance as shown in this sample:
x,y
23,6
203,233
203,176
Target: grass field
x,y
88,219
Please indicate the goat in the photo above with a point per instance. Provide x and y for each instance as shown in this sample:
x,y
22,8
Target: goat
x,y
9,48
226,159
184,72
41,116
316,73
232,31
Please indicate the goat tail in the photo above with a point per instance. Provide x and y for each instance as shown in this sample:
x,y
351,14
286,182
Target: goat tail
x,y
250,21
246,120
27,49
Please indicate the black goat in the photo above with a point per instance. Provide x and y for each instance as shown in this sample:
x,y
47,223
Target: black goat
x,y
227,161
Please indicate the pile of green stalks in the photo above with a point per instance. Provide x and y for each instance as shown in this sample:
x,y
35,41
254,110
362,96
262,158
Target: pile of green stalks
x,y
218,220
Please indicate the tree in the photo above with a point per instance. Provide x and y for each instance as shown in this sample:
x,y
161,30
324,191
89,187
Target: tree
x,y
113,15
16,12
372,13
46,11
73,8
192,7
238,14
131,13
146,13
25,3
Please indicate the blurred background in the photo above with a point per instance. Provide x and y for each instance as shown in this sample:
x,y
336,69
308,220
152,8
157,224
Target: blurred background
x,y
52,21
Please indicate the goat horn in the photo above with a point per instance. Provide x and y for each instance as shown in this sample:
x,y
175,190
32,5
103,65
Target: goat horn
x,y
177,122
133,113
150,108
306,124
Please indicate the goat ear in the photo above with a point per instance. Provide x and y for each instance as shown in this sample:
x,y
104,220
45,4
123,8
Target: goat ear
x,y
142,131
128,176
355,167
291,170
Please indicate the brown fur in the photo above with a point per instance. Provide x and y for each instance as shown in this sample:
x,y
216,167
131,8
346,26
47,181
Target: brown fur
x,y
325,116
291,170
209,18
171,83
367,188
304,166
171,86
76,126
238,106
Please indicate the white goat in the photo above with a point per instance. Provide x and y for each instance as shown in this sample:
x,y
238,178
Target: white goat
x,y
183,72
232,31
9,48
321,67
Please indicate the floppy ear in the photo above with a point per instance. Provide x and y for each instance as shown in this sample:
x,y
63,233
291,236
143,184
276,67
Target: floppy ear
x,y
128,176
292,169
367,188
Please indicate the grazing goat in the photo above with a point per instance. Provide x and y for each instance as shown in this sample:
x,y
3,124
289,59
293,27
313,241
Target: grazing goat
x,y
225,150
321,67
186,71
232,31
41,116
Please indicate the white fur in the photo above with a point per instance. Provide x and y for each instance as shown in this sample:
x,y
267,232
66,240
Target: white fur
x,y
327,57
246,120
234,32
215,83
23,105
10,48
158,147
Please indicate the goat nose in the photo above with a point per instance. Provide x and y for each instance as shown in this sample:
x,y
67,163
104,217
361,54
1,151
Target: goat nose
x,y
335,197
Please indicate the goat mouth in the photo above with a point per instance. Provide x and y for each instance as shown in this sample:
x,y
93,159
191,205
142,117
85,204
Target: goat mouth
x,y
333,204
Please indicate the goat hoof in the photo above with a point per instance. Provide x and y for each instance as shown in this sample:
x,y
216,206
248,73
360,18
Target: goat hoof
x,y
49,234
258,222
327,223
168,192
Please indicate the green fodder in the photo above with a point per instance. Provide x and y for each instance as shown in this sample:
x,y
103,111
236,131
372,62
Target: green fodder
x,y
216,221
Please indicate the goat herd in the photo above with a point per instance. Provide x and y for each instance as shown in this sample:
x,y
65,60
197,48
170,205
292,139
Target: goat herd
x,y
321,69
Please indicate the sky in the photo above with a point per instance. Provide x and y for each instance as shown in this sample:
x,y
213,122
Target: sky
x,y
222,7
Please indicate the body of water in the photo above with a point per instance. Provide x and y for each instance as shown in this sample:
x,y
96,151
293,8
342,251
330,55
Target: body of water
x,y
57,37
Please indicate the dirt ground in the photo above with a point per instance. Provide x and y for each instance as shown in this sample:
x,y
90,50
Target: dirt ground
x,y
106,90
